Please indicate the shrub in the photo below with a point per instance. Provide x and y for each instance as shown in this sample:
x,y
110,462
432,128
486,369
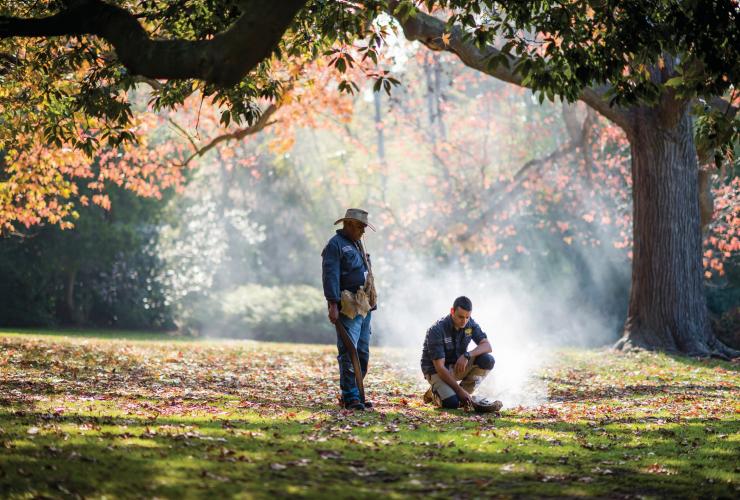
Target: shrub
x,y
281,313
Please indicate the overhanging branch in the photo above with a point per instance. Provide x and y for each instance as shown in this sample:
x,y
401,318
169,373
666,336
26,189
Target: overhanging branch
x,y
429,30
223,60
499,197
724,106
263,122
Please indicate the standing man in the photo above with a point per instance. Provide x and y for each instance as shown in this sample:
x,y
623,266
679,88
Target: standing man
x,y
350,295
445,359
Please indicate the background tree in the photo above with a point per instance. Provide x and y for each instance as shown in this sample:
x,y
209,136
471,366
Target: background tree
x,y
641,66
507,193
68,84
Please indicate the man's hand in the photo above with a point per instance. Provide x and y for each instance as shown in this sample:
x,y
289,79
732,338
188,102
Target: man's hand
x,y
465,398
333,312
460,366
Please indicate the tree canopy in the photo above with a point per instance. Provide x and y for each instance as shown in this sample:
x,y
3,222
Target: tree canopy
x,y
83,55
87,51
67,68
650,67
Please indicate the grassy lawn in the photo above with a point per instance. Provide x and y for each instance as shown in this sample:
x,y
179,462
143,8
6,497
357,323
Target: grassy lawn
x,y
94,416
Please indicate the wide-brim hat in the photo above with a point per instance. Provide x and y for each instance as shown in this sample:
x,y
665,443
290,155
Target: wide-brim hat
x,y
357,214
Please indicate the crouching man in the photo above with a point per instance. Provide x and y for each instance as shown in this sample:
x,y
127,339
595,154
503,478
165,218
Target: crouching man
x,y
445,360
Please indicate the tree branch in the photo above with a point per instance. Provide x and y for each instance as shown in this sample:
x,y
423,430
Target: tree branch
x,y
730,111
153,84
579,133
723,106
514,188
223,60
428,30
184,133
259,125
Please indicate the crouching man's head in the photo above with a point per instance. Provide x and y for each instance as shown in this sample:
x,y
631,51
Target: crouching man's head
x,y
460,311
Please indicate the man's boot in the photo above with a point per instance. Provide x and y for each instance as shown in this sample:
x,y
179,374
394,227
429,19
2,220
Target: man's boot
x,y
354,404
428,396
485,405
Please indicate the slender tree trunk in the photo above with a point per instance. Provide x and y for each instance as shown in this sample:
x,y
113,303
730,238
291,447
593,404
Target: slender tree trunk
x,y
431,105
70,308
667,308
380,141
439,96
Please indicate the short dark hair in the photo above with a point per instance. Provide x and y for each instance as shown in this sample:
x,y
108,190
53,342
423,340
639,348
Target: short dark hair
x,y
463,303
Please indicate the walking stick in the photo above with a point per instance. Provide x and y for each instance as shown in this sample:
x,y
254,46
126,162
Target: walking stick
x,y
353,355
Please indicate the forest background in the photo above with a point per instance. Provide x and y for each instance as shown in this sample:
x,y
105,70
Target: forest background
x,y
213,229
177,167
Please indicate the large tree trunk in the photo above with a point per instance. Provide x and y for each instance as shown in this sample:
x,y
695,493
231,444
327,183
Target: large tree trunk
x,y
667,308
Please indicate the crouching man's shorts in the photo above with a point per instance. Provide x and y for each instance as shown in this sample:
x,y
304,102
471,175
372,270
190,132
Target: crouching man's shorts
x,y
478,368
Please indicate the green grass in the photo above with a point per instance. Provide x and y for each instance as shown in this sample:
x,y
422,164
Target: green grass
x,y
122,417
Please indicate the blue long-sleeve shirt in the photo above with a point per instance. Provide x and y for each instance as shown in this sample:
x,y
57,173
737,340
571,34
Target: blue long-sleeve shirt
x,y
342,267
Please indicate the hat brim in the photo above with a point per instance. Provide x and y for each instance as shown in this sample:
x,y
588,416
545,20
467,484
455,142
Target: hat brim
x,y
358,220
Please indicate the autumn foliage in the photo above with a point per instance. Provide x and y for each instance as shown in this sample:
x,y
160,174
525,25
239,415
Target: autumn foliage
x,y
455,164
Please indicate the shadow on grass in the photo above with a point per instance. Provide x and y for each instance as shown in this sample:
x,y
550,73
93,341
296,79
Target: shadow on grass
x,y
575,391
705,362
355,456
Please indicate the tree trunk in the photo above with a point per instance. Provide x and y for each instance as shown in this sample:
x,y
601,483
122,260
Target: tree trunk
x,y
70,314
380,141
667,308
431,104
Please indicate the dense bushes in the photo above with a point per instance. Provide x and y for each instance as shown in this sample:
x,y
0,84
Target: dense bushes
x,y
281,313
101,273
723,298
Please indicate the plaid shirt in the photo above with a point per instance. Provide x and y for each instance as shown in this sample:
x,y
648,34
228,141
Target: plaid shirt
x,y
443,341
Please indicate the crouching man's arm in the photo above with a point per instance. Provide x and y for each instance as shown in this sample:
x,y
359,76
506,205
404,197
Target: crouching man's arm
x,y
484,347
462,394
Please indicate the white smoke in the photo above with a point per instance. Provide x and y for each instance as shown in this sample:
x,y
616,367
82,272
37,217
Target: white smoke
x,y
524,322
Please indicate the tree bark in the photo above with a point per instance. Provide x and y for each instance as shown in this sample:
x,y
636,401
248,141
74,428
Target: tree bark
x,y
667,307
431,96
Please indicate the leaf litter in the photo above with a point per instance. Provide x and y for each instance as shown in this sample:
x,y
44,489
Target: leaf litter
x,y
235,413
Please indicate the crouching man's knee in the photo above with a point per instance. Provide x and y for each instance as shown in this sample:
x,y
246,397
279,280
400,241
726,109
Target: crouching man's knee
x,y
485,362
451,402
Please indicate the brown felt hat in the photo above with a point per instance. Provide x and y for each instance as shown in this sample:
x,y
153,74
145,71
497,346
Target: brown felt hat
x,y
356,214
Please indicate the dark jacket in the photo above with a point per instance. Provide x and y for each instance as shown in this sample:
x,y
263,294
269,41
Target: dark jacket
x,y
443,341
342,267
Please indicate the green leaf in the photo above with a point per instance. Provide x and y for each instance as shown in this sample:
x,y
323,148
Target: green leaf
x,y
226,118
404,10
675,82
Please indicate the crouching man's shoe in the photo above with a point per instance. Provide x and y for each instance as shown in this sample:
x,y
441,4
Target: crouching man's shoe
x,y
485,405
